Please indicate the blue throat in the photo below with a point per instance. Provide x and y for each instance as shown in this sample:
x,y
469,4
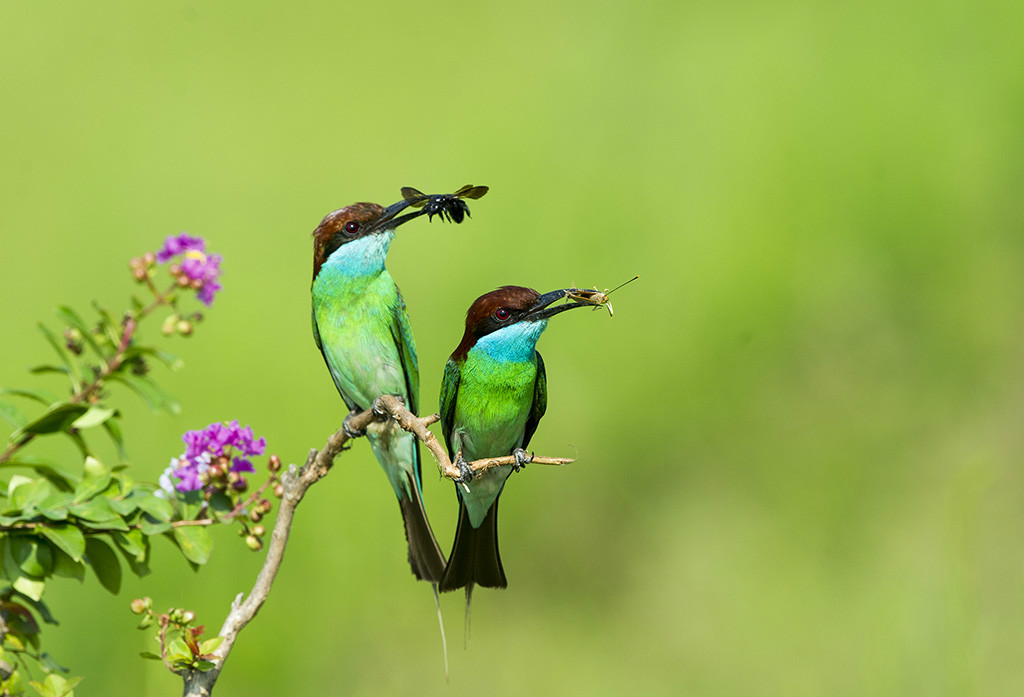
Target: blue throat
x,y
512,344
362,257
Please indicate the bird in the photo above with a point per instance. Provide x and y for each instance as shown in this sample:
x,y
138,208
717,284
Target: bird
x,y
362,328
493,395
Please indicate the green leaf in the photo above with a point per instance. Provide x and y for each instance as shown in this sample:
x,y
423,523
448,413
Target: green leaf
x,y
150,656
30,586
92,467
66,567
40,369
43,468
113,430
95,416
57,418
210,645
151,526
55,506
168,359
88,488
220,504
43,690
96,513
149,391
202,665
34,556
178,650
41,608
72,319
72,367
50,665
41,396
29,494
13,415
104,563
131,542
155,506
67,538
191,504
195,542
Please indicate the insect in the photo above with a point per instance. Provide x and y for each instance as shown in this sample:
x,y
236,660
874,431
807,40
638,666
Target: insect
x,y
596,297
449,207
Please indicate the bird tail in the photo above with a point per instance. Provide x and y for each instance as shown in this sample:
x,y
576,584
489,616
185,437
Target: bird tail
x,y
425,556
474,558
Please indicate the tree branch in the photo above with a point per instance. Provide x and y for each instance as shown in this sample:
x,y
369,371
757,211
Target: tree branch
x,y
296,482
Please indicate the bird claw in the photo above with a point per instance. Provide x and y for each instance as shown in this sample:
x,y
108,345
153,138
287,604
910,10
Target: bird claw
x,y
465,472
522,457
346,426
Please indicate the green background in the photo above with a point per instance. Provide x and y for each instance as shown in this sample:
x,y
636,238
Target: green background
x,y
799,438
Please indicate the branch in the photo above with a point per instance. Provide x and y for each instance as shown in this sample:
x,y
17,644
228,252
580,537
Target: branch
x,y
296,482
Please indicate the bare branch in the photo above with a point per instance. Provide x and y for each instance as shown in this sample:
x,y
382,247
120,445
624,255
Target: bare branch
x,y
296,482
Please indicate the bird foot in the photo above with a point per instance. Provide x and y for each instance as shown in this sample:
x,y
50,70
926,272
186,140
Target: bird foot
x,y
522,457
346,426
465,473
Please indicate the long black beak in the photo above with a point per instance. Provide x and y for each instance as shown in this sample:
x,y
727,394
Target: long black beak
x,y
545,307
390,220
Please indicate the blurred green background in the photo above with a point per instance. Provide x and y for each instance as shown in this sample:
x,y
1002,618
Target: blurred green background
x,y
799,438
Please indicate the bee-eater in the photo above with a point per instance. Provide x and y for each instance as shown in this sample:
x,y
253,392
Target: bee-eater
x,y
493,396
361,327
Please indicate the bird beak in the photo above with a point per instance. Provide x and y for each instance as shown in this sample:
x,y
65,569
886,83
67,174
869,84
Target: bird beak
x,y
545,307
390,220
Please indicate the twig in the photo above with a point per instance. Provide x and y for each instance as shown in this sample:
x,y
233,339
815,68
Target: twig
x,y
296,482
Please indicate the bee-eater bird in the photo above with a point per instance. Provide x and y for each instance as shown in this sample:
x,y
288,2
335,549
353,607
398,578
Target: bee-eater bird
x,y
361,327
493,396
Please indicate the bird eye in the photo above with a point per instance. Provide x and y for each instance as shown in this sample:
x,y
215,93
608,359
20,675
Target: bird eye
x,y
502,314
351,227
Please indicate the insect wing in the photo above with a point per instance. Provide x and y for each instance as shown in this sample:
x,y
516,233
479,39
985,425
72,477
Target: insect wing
x,y
415,197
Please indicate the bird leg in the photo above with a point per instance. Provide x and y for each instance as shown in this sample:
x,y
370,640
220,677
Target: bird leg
x,y
522,457
347,427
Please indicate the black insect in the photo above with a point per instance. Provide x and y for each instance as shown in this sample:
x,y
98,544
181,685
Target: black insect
x,y
450,207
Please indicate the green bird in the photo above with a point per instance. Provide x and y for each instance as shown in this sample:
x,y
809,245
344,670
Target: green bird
x,y
493,396
361,327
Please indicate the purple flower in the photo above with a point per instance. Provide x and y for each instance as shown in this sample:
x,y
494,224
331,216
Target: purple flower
x,y
205,445
196,268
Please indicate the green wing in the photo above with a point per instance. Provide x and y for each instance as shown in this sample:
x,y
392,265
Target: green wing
x,y
540,401
449,395
401,331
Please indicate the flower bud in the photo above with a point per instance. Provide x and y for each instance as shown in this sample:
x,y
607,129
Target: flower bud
x,y
140,605
184,327
215,471
259,531
256,516
139,274
149,258
274,464
254,543
187,616
167,328
279,490
240,485
265,505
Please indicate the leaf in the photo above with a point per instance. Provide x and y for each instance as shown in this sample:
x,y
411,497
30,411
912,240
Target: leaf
x,y
150,526
195,542
40,607
220,504
95,416
73,370
71,318
104,563
168,359
55,506
57,418
13,415
210,645
34,556
158,508
113,429
203,665
92,467
88,488
50,665
150,655
40,369
131,542
178,650
66,567
96,513
41,396
32,587
43,468
68,538
149,391
26,495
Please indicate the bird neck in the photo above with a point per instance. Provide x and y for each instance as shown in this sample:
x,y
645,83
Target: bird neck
x,y
362,257
513,344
